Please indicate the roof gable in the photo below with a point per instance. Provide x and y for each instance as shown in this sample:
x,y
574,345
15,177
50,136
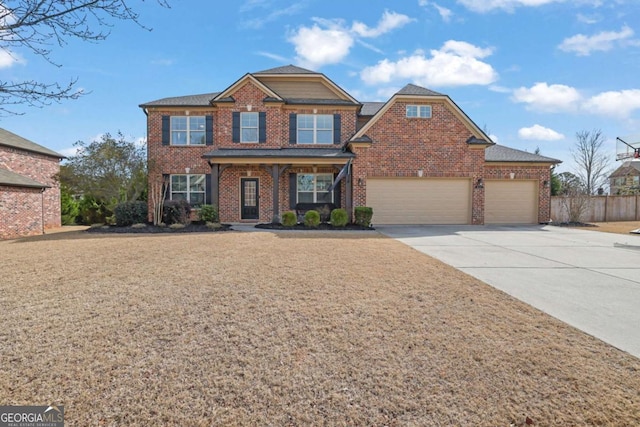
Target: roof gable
x,y
286,69
627,168
10,139
247,78
415,93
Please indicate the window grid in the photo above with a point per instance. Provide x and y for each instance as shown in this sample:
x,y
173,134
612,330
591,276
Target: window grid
x,y
191,188
419,111
248,127
188,130
312,188
315,129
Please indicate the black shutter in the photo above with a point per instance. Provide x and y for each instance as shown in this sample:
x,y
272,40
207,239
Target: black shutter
x,y
293,128
236,127
209,130
207,189
293,190
337,192
336,129
166,132
166,179
262,127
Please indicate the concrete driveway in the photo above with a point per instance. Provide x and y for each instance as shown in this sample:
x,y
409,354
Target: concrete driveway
x,y
587,279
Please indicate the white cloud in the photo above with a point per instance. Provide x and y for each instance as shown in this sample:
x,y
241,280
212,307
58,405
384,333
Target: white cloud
x,y
583,45
539,133
9,59
389,21
445,14
548,98
618,104
587,19
329,41
508,5
317,46
455,64
494,138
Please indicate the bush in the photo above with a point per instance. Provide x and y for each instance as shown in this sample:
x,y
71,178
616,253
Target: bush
x,y
69,208
129,213
363,215
92,210
176,212
208,213
325,212
312,218
339,217
289,219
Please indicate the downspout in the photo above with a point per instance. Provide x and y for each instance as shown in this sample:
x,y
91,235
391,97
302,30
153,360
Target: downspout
x,y
42,207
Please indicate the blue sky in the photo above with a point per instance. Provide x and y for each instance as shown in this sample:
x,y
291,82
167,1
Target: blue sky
x,y
531,72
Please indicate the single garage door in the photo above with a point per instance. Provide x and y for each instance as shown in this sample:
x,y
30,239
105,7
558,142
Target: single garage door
x,y
510,202
419,200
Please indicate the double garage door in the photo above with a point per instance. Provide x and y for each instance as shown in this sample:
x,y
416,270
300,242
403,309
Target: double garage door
x,y
448,201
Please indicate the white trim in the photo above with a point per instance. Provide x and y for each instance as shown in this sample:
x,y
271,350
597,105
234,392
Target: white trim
x,y
314,129
257,127
188,130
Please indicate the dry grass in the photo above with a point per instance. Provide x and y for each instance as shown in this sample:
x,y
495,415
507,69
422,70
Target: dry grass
x,y
619,227
288,329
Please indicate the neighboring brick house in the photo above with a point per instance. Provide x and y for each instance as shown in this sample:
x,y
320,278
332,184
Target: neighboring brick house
x,y
29,190
279,137
626,179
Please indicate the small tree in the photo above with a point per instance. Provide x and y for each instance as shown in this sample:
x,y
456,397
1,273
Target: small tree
x,y
575,199
591,162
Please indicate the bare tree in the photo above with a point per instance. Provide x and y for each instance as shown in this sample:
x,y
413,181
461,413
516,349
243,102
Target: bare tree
x,y
590,160
37,25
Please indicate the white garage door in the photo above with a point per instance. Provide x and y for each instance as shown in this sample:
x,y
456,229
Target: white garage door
x,y
419,200
511,202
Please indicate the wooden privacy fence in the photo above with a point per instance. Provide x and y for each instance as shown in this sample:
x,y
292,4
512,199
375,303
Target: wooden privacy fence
x,y
600,209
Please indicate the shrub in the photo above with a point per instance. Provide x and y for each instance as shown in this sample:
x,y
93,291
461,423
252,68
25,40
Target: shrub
x,y
129,213
312,218
176,212
363,215
339,217
324,211
92,210
289,219
69,208
208,213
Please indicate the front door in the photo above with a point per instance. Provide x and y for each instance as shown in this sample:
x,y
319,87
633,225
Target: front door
x,y
249,196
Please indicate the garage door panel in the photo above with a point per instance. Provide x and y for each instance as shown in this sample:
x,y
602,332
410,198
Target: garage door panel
x,y
511,202
419,201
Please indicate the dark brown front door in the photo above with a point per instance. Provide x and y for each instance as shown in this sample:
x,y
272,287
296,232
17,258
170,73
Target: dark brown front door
x,y
249,196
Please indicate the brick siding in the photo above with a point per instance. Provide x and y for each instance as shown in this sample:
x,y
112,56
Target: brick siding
x,y
43,169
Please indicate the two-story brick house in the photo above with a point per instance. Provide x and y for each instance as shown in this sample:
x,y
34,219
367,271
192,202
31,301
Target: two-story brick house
x,y
29,188
279,137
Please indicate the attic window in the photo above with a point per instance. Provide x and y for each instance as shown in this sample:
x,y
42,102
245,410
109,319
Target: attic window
x,y
419,111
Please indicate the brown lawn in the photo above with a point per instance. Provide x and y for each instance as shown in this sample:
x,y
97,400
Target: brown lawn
x,y
620,227
288,329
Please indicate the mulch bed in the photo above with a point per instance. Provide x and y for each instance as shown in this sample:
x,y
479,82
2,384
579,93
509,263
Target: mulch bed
x,y
194,227
321,226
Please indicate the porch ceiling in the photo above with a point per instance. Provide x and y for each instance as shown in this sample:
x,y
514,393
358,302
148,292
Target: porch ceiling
x,y
278,155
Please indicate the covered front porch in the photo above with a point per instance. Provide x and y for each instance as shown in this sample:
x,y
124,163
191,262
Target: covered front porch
x,y
257,185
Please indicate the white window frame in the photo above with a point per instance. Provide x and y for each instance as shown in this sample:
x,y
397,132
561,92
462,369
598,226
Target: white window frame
x,y
188,131
421,111
188,192
256,127
314,129
315,191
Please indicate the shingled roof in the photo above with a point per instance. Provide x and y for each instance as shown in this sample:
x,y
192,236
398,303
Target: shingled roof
x,y
319,153
287,69
9,139
412,89
201,100
627,168
500,153
12,179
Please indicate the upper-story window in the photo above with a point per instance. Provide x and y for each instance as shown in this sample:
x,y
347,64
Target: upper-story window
x,y
419,111
187,130
315,129
248,127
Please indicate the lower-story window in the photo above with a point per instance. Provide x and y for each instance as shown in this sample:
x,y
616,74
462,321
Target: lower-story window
x,y
188,187
312,187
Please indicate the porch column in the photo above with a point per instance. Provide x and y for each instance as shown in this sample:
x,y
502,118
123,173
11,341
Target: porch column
x,y
275,178
215,184
349,195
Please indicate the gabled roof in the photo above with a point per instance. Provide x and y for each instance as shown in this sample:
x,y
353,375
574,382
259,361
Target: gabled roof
x,y
628,168
287,69
201,100
412,91
500,153
12,179
242,80
370,108
9,139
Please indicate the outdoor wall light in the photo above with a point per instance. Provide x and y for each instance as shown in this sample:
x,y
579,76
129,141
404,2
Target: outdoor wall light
x,y
546,184
480,183
360,182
